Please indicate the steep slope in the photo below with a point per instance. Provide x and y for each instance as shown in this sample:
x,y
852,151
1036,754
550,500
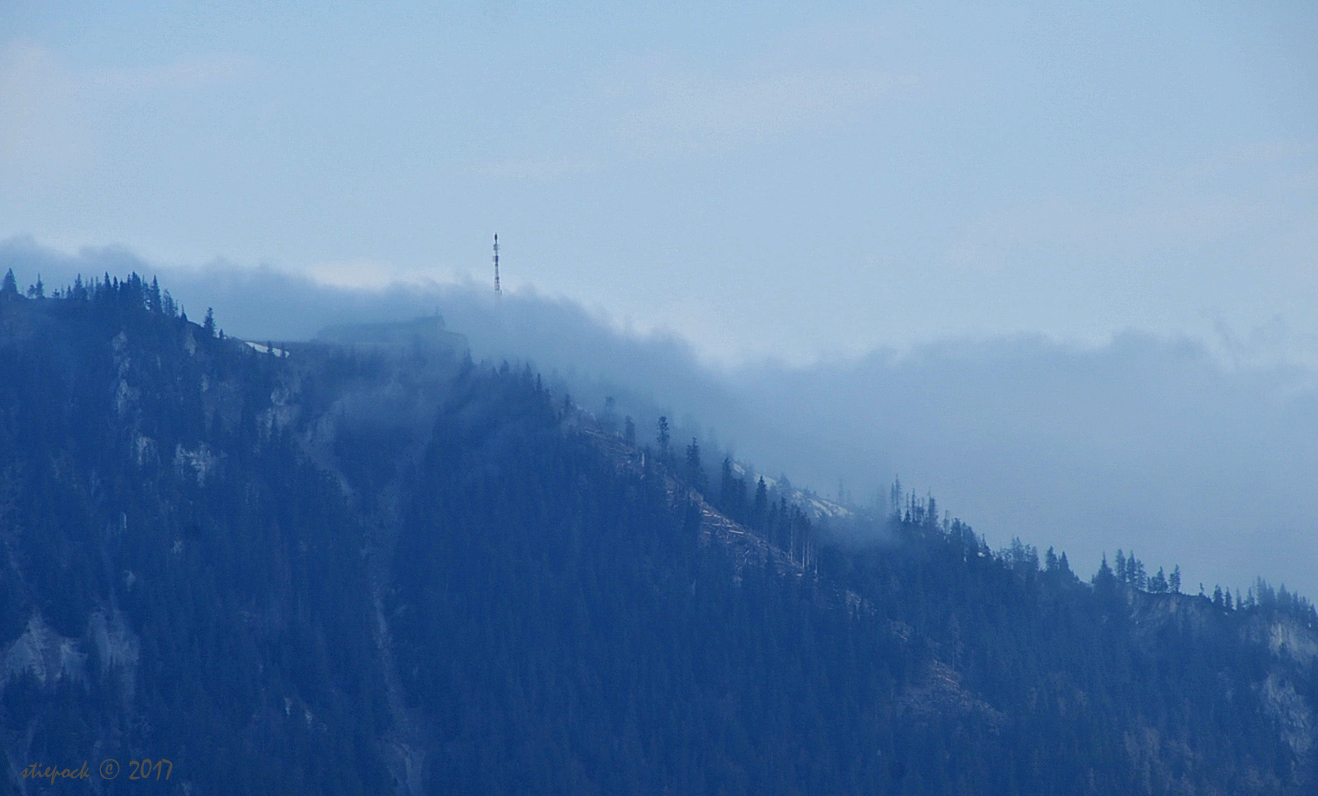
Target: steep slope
x,y
192,582
383,568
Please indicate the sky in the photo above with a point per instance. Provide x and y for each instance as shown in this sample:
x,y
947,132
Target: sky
x,y
1058,265
766,180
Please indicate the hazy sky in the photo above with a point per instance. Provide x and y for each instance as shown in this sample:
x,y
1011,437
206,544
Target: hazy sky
x,y
1058,265
785,180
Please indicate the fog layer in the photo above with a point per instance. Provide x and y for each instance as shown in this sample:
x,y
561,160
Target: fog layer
x,y
1147,443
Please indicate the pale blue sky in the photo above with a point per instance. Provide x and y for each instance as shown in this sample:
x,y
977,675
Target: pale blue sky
x,y
764,179
801,182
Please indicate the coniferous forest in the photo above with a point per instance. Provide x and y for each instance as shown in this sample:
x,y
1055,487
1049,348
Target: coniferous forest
x,y
378,566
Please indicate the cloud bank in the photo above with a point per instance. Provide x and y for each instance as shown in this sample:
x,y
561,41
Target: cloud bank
x,y
1148,442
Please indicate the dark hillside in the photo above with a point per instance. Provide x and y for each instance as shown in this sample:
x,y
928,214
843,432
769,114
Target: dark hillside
x,y
180,582
383,568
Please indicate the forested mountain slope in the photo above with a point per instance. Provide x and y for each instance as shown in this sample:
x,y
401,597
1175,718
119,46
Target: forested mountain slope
x,y
383,568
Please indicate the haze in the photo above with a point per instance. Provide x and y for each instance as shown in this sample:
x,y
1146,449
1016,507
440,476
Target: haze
x,y
1059,266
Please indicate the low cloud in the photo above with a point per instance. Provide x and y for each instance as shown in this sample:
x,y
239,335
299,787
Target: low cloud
x,y
1145,442
1148,442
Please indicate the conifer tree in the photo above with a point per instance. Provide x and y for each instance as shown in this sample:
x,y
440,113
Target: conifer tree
x,y
1104,576
761,504
695,474
662,428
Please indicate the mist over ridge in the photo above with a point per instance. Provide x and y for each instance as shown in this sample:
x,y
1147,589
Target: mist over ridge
x,y
904,399
1145,442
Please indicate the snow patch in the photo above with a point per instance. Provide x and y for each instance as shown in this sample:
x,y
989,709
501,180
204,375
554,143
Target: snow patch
x,y
266,349
811,503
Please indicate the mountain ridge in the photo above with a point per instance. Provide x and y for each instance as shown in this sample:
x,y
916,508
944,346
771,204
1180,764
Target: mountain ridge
x,y
393,569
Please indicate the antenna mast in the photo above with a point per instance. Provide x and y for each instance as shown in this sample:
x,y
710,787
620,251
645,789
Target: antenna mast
x,y
497,290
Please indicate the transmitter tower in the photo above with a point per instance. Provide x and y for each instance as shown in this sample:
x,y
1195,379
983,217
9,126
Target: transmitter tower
x,y
497,290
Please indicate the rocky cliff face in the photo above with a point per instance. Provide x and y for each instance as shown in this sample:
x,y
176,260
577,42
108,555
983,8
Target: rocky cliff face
x,y
1294,648
1281,650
